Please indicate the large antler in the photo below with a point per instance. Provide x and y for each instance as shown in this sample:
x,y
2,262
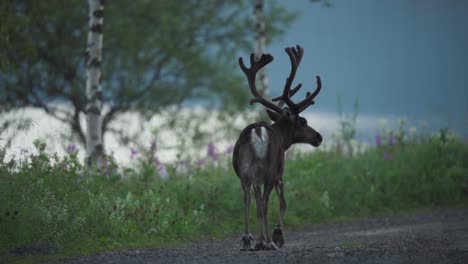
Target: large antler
x,y
251,72
295,56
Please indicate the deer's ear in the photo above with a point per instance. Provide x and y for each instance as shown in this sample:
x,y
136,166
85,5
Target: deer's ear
x,y
273,115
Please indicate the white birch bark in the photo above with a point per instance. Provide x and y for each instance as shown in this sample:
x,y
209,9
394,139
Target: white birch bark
x,y
260,43
93,58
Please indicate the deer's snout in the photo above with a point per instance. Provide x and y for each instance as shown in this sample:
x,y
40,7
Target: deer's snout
x,y
318,139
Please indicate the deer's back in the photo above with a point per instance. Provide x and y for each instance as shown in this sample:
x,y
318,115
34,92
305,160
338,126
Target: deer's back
x,y
258,155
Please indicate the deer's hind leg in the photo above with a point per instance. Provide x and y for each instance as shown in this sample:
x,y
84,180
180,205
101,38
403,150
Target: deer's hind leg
x,y
247,238
269,244
260,244
278,233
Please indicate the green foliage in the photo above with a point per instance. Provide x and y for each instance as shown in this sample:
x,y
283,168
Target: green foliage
x,y
387,179
56,200
348,126
156,53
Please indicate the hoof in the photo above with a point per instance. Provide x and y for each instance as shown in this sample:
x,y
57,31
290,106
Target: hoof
x,y
278,237
270,246
260,245
247,242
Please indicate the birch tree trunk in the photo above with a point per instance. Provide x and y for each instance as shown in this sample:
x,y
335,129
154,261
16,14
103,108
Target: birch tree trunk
x,y
93,58
260,43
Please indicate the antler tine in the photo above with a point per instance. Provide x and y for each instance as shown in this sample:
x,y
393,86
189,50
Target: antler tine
x,y
295,56
291,93
309,100
251,72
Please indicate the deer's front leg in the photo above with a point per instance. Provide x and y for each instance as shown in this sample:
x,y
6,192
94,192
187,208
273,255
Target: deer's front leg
x,y
247,238
278,233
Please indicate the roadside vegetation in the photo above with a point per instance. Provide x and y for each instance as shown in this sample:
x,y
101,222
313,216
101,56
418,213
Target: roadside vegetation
x,y
56,200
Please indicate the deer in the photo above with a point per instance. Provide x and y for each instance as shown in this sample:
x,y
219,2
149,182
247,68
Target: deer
x,y
259,153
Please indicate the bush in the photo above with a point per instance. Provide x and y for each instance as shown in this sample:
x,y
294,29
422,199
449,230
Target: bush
x,y
56,200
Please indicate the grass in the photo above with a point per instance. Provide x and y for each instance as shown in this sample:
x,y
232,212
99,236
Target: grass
x,y
56,200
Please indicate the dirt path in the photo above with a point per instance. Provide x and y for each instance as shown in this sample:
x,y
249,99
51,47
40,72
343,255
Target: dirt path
x,y
432,237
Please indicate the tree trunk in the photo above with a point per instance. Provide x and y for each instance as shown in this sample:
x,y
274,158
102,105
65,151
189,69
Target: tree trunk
x,y
260,43
93,58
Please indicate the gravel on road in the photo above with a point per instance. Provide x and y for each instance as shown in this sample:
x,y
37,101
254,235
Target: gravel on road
x,y
438,236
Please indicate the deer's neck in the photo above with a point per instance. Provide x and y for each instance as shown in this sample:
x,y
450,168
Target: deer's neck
x,y
285,132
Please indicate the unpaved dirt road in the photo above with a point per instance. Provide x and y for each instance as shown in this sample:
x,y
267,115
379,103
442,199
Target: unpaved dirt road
x,y
439,236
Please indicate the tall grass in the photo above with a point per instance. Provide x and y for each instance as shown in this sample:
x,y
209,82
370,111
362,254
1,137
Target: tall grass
x,y
58,201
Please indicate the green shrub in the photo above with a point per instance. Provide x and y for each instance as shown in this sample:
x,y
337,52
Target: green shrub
x,y
80,210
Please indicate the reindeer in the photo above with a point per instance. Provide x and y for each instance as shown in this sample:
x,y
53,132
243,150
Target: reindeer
x,y
258,157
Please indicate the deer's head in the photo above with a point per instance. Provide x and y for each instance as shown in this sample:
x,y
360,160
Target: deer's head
x,y
293,127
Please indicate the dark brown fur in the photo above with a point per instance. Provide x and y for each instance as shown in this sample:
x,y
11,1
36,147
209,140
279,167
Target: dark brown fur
x,y
256,170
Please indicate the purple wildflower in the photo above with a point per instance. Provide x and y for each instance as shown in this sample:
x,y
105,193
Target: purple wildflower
x,y
161,168
24,151
201,162
163,171
378,140
102,162
387,156
229,149
212,151
157,162
108,168
104,166
133,153
72,148
153,145
391,139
